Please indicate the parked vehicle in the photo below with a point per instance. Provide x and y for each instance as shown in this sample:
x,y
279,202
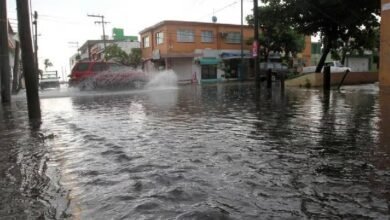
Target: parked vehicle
x,y
277,69
49,80
335,67
91,75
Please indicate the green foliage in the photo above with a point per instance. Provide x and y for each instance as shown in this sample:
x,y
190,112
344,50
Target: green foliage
x,y
115,53
135,57
276,34
367,39
336,20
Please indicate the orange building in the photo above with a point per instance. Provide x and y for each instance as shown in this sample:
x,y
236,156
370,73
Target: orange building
x,y
195,50
384,68
201,51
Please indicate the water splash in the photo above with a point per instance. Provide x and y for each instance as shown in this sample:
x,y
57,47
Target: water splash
x,y
162,89
163,79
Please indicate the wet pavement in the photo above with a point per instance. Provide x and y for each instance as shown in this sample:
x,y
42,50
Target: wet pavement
x,y
221,151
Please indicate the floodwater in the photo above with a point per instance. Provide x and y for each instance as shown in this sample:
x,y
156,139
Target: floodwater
x,y
220,151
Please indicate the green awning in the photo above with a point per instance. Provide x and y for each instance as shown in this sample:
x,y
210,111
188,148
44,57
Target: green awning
x,y
209,61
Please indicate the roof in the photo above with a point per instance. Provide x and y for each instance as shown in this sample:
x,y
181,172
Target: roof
x,y
166,22
93,42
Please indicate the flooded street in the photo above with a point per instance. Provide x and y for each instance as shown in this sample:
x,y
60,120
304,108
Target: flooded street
x,y
219,151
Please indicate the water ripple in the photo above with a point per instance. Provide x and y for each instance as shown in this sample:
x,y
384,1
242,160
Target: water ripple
x,y
211,152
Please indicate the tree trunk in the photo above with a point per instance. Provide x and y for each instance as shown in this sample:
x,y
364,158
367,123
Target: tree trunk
x,y
327,47
16,74
31,79
5,70
343,55
20,82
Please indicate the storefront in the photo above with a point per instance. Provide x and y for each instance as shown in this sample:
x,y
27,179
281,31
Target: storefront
x,y
237,67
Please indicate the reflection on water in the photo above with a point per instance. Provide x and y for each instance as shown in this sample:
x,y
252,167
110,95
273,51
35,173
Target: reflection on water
x,y
212,152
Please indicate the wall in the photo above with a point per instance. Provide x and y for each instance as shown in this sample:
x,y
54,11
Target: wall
x,y
306,53
384,127
183,68
358,64
127,45
176,49
316,79
384,68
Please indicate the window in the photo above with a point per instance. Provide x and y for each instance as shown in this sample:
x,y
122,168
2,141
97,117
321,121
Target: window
x,y
146,42
98,67
160,38
207,36
209,71
81,67
233,37
185,36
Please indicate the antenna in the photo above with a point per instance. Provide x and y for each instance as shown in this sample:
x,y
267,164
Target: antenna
x,y
214,18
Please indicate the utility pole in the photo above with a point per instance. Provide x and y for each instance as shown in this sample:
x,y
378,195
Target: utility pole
x,y
34,109
102,22
75,44
256,40
35,23
5,69
77,58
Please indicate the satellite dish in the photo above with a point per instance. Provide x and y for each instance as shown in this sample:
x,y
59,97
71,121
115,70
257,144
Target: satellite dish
x,y
214,19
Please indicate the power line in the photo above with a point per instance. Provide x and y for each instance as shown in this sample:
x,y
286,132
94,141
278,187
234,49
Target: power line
x,y
219,10
102,22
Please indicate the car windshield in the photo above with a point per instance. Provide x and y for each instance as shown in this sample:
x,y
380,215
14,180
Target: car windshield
x,y
99,67
81,67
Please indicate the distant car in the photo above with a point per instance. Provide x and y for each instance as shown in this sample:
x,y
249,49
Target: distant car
x,y
91,75
49,80
277,69
335,67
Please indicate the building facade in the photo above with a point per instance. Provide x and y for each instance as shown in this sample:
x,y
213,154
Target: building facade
x,y
196,51
384,69
93,50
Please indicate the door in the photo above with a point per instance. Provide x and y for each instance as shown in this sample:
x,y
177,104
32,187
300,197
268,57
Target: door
x,y
209,71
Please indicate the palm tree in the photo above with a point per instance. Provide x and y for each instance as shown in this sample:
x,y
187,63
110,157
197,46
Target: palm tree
x,y
47,63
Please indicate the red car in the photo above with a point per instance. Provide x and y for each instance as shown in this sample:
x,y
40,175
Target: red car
x,y
90,75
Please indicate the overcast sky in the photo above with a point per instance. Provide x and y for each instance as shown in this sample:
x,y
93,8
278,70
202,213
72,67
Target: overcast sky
x,y
64,21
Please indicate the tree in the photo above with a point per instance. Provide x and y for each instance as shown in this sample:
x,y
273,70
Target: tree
x,y
135,57
336,20
365,40
47,63
276,35
115,53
